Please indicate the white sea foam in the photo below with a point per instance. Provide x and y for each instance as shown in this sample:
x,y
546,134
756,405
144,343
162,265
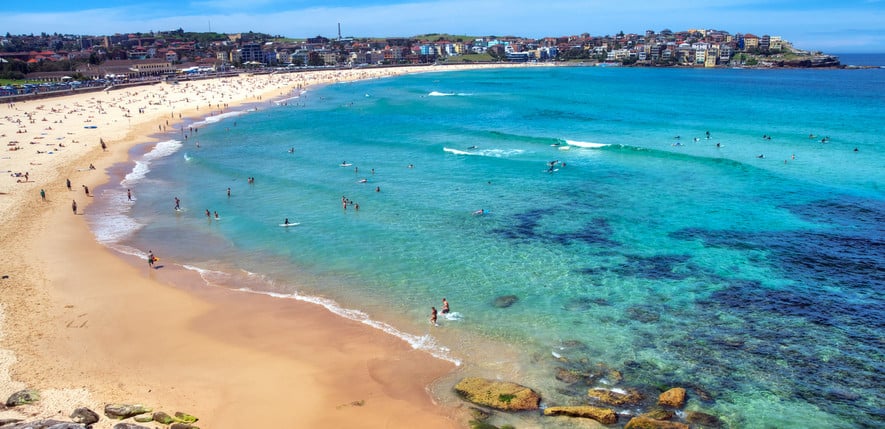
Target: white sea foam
x,y
448,94
219,117
419,342
589,145
142,166
113,224
497,153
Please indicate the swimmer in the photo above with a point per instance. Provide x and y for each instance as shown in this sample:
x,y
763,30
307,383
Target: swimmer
x,y
216,215
479,212
433,316
445,308
364,180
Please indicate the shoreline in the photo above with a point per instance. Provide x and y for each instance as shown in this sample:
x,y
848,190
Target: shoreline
x,y
70,328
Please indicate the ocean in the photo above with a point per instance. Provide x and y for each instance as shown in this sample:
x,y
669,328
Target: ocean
x,y
721,230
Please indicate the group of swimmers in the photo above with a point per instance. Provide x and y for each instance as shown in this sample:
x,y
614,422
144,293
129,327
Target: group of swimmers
x,y
433,312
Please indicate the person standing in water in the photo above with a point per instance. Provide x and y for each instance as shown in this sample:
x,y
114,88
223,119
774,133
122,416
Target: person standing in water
x,y
177,204
433,316
445,308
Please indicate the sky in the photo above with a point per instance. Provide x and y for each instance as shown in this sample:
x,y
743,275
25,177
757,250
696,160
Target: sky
x,y
831,26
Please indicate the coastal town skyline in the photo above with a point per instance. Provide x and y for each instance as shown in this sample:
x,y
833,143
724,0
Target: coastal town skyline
x,y
846,27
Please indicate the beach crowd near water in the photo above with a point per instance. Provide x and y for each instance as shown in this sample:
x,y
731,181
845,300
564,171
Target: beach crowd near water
x,y
86,327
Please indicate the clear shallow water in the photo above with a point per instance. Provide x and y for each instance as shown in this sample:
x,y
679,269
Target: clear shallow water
x,y
674,261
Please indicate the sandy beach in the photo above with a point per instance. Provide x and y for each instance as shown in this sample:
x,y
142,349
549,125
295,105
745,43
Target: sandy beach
x,y
87,326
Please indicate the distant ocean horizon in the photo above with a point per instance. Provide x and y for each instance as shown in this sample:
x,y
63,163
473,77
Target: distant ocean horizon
x,y
862,59
721,230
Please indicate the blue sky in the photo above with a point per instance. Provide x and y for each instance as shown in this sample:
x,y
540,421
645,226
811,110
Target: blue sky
x,y
827,25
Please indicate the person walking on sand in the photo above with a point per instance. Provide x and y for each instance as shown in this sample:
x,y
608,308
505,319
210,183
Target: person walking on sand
x,y
151,258
86,190
445,308
74,206
43,194
433,316
68,182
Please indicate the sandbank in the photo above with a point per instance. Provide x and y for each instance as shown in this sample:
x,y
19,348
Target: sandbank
x,y
87,326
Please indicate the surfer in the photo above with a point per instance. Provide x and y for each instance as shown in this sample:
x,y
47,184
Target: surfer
x,y
291,150
760,156
479,212
228,192
364,180
286,222
445,308
151,258
433,316
471,147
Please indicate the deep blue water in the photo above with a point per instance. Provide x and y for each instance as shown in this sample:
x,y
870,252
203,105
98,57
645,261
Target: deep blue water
x,y
748,269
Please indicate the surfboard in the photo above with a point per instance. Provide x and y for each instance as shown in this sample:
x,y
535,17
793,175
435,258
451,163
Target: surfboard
x,y
284,225
345,164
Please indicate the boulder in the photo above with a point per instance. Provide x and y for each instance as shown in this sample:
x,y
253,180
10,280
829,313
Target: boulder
x,y
144,418
184,417
568,376
615,397
129,426
66,425
501,395
703,419
4,422
601,415
45,424
647,423
674,397
183,426
124,411
659,413
161,417
23,397
505,301
84,415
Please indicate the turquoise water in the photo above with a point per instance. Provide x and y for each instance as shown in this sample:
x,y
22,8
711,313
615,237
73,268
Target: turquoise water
x,y
756,282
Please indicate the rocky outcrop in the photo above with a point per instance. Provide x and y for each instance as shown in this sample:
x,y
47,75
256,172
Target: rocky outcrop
x,y
23,397
46,424
648,423
161,417
703,419
500,395
615,397
85,416
124,411
129,426
601,415
674,397
659,414
184,417
183,426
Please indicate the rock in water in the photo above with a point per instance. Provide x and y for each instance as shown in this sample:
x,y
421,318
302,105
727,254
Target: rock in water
x,y
505,301
23,397
616,398
602,415
84,415
124,411
674,397
647,423
501,395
